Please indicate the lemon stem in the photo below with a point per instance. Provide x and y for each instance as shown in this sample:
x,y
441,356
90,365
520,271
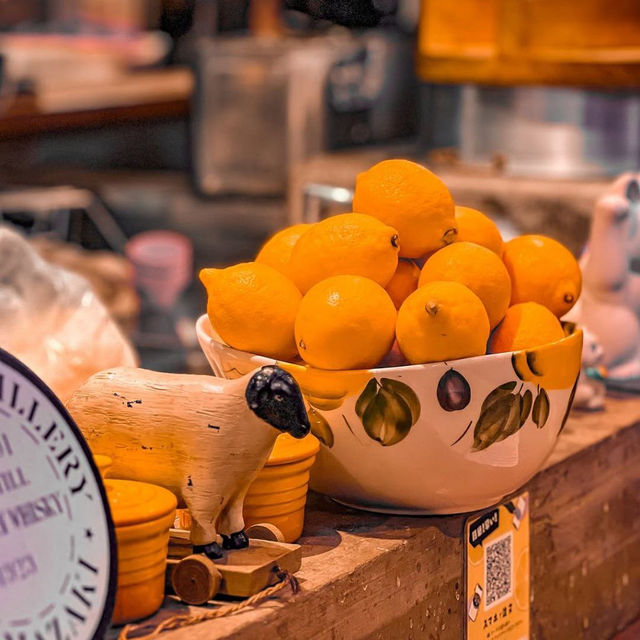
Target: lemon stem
x,y
449,235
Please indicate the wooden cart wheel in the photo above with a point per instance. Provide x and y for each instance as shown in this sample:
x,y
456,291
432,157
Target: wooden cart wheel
x,y
265,531
195,579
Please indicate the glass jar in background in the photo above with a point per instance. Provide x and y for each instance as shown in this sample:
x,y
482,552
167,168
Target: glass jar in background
x,y
259,109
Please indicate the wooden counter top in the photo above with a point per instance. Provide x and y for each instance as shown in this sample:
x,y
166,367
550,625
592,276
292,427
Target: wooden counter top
x,y
389,578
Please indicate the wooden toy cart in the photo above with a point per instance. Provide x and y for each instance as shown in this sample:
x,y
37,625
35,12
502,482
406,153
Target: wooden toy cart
x,y
196,579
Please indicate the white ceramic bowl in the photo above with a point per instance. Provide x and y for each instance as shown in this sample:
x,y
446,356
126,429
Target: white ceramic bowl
x,y
464,451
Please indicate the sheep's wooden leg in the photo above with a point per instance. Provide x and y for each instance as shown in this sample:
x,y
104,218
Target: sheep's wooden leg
x,y
204,517
204,538
231,523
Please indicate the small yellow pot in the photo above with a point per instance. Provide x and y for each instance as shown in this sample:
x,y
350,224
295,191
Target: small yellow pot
x,y
142,514
279,494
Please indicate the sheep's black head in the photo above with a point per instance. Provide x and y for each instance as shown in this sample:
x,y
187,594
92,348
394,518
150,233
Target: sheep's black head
x,y
273,395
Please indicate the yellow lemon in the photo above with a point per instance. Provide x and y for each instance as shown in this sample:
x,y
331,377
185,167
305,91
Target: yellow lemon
x,y
525,326
412,200
477,268
253,308
345,322
403,282
442,321
542,270
276,251
347,244
474,226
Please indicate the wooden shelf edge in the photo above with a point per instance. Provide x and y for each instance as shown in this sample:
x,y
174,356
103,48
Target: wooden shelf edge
x,y
20,126
501,72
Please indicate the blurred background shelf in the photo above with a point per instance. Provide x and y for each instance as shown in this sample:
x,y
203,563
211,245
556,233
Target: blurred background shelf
x,y
151,95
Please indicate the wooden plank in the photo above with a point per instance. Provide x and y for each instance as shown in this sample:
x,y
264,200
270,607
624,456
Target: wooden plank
x,y
494,71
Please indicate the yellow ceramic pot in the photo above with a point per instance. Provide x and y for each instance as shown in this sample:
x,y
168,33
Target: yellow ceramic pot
x,y
142,514
279,494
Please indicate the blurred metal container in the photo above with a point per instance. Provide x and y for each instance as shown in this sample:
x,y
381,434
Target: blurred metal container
x,y
323,200
258,107
263,106
552,132
539,131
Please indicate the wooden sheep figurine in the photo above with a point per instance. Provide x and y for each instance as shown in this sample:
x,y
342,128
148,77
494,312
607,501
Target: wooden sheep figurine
x,y
203,438
610,302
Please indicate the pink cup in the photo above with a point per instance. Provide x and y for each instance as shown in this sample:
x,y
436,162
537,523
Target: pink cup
x,y
163,262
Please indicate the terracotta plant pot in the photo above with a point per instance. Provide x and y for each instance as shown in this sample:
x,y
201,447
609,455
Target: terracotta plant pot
x,y
443,437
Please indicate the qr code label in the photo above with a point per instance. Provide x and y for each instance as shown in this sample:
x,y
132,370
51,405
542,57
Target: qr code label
x,y
498,570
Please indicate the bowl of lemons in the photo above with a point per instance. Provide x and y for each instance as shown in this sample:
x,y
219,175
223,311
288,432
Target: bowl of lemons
x,y
436,369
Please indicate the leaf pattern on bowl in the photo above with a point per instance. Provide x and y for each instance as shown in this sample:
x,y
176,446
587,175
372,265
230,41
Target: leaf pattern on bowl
x,y
367,395
320,427
505,411
387,409
406,393
527,400
540,413
569,405
499,418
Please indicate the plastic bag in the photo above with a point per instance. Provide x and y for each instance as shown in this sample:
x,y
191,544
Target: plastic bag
x,y
52,321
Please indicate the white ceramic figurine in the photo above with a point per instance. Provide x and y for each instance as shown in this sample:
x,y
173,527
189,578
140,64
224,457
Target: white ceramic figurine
x,y
591,388
203,438
610,302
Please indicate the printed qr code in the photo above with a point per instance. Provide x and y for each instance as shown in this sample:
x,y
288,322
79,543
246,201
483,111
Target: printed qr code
x,y
498,569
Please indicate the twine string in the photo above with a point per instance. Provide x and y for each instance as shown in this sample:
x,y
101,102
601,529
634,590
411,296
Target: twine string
x,y
178,621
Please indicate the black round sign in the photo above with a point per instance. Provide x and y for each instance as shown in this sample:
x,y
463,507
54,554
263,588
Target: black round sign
x,y
57,541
